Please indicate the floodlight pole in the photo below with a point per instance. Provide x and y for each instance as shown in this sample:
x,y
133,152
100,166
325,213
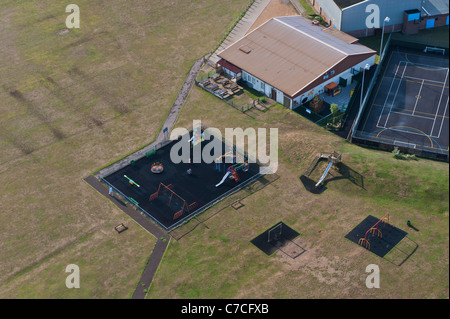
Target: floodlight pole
x,y
366,67
387,19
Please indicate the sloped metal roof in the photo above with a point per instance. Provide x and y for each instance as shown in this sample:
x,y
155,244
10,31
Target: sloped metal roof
x,y
342,4
435,7
290,53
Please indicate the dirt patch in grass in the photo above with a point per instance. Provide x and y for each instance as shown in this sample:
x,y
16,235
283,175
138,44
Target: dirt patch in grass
x,y
331,267
276,8
71,104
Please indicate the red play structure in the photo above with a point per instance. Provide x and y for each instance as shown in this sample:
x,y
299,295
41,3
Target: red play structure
x,y
373,230
235,174
174,199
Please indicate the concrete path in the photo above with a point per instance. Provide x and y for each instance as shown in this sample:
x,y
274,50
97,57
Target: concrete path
x,y
298,7
168,124
241,28
162,238
179,101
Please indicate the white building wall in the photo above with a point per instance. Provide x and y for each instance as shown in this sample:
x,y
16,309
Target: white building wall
x,y
231,73
266,89
321,87
261,86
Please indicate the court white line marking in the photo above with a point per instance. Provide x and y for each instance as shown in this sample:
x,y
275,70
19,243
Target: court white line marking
x,y
418,97
414,115
443,119
389,92
419,79
430,67
396,92
400,143
406,132
439,106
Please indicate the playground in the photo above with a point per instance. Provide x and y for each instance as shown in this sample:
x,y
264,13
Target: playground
x,y
171,193
408,107
279,237
383,239
317,187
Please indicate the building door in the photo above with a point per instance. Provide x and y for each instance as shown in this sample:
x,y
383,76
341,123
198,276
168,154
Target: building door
x,y
274,95
287,102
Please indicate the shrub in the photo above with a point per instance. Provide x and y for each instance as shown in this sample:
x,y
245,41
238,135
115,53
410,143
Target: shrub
x,y
399,155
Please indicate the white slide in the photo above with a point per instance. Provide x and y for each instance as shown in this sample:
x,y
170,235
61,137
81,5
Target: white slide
x,y
324,174
224,178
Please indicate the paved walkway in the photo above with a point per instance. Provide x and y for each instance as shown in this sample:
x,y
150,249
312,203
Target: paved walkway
x,y
298,7
162,238
168,124
180,100
241,27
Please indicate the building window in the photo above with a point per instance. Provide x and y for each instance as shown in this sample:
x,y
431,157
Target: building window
x,y
263,86
332,72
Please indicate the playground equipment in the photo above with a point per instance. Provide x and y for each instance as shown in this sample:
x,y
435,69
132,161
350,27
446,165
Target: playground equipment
x,y
150,153
231,173
157,168
223,179
312,186
324,174
175,201
275,233
316,104
332,89
232,170
133,183
332,158
374,230
197,137
219,162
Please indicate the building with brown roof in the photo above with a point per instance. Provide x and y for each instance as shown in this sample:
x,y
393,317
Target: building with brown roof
x,y
362,18
291,60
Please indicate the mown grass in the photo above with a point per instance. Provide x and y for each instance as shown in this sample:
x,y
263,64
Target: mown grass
x,y
307,6
71,103
332,267
123,68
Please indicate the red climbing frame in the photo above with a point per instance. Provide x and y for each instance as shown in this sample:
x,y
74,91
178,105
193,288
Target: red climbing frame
x,y
373,230
185,207
235,174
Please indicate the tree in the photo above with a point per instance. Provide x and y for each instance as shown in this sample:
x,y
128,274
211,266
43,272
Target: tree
x,y
334,108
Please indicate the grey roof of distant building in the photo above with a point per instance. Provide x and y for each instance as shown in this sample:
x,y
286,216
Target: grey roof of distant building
x,y
347,3
435,7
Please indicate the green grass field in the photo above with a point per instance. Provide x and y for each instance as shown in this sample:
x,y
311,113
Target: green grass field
x,y
72,102
219,260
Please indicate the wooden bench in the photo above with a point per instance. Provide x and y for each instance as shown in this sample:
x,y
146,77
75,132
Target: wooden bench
x,y
223,92
214,87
